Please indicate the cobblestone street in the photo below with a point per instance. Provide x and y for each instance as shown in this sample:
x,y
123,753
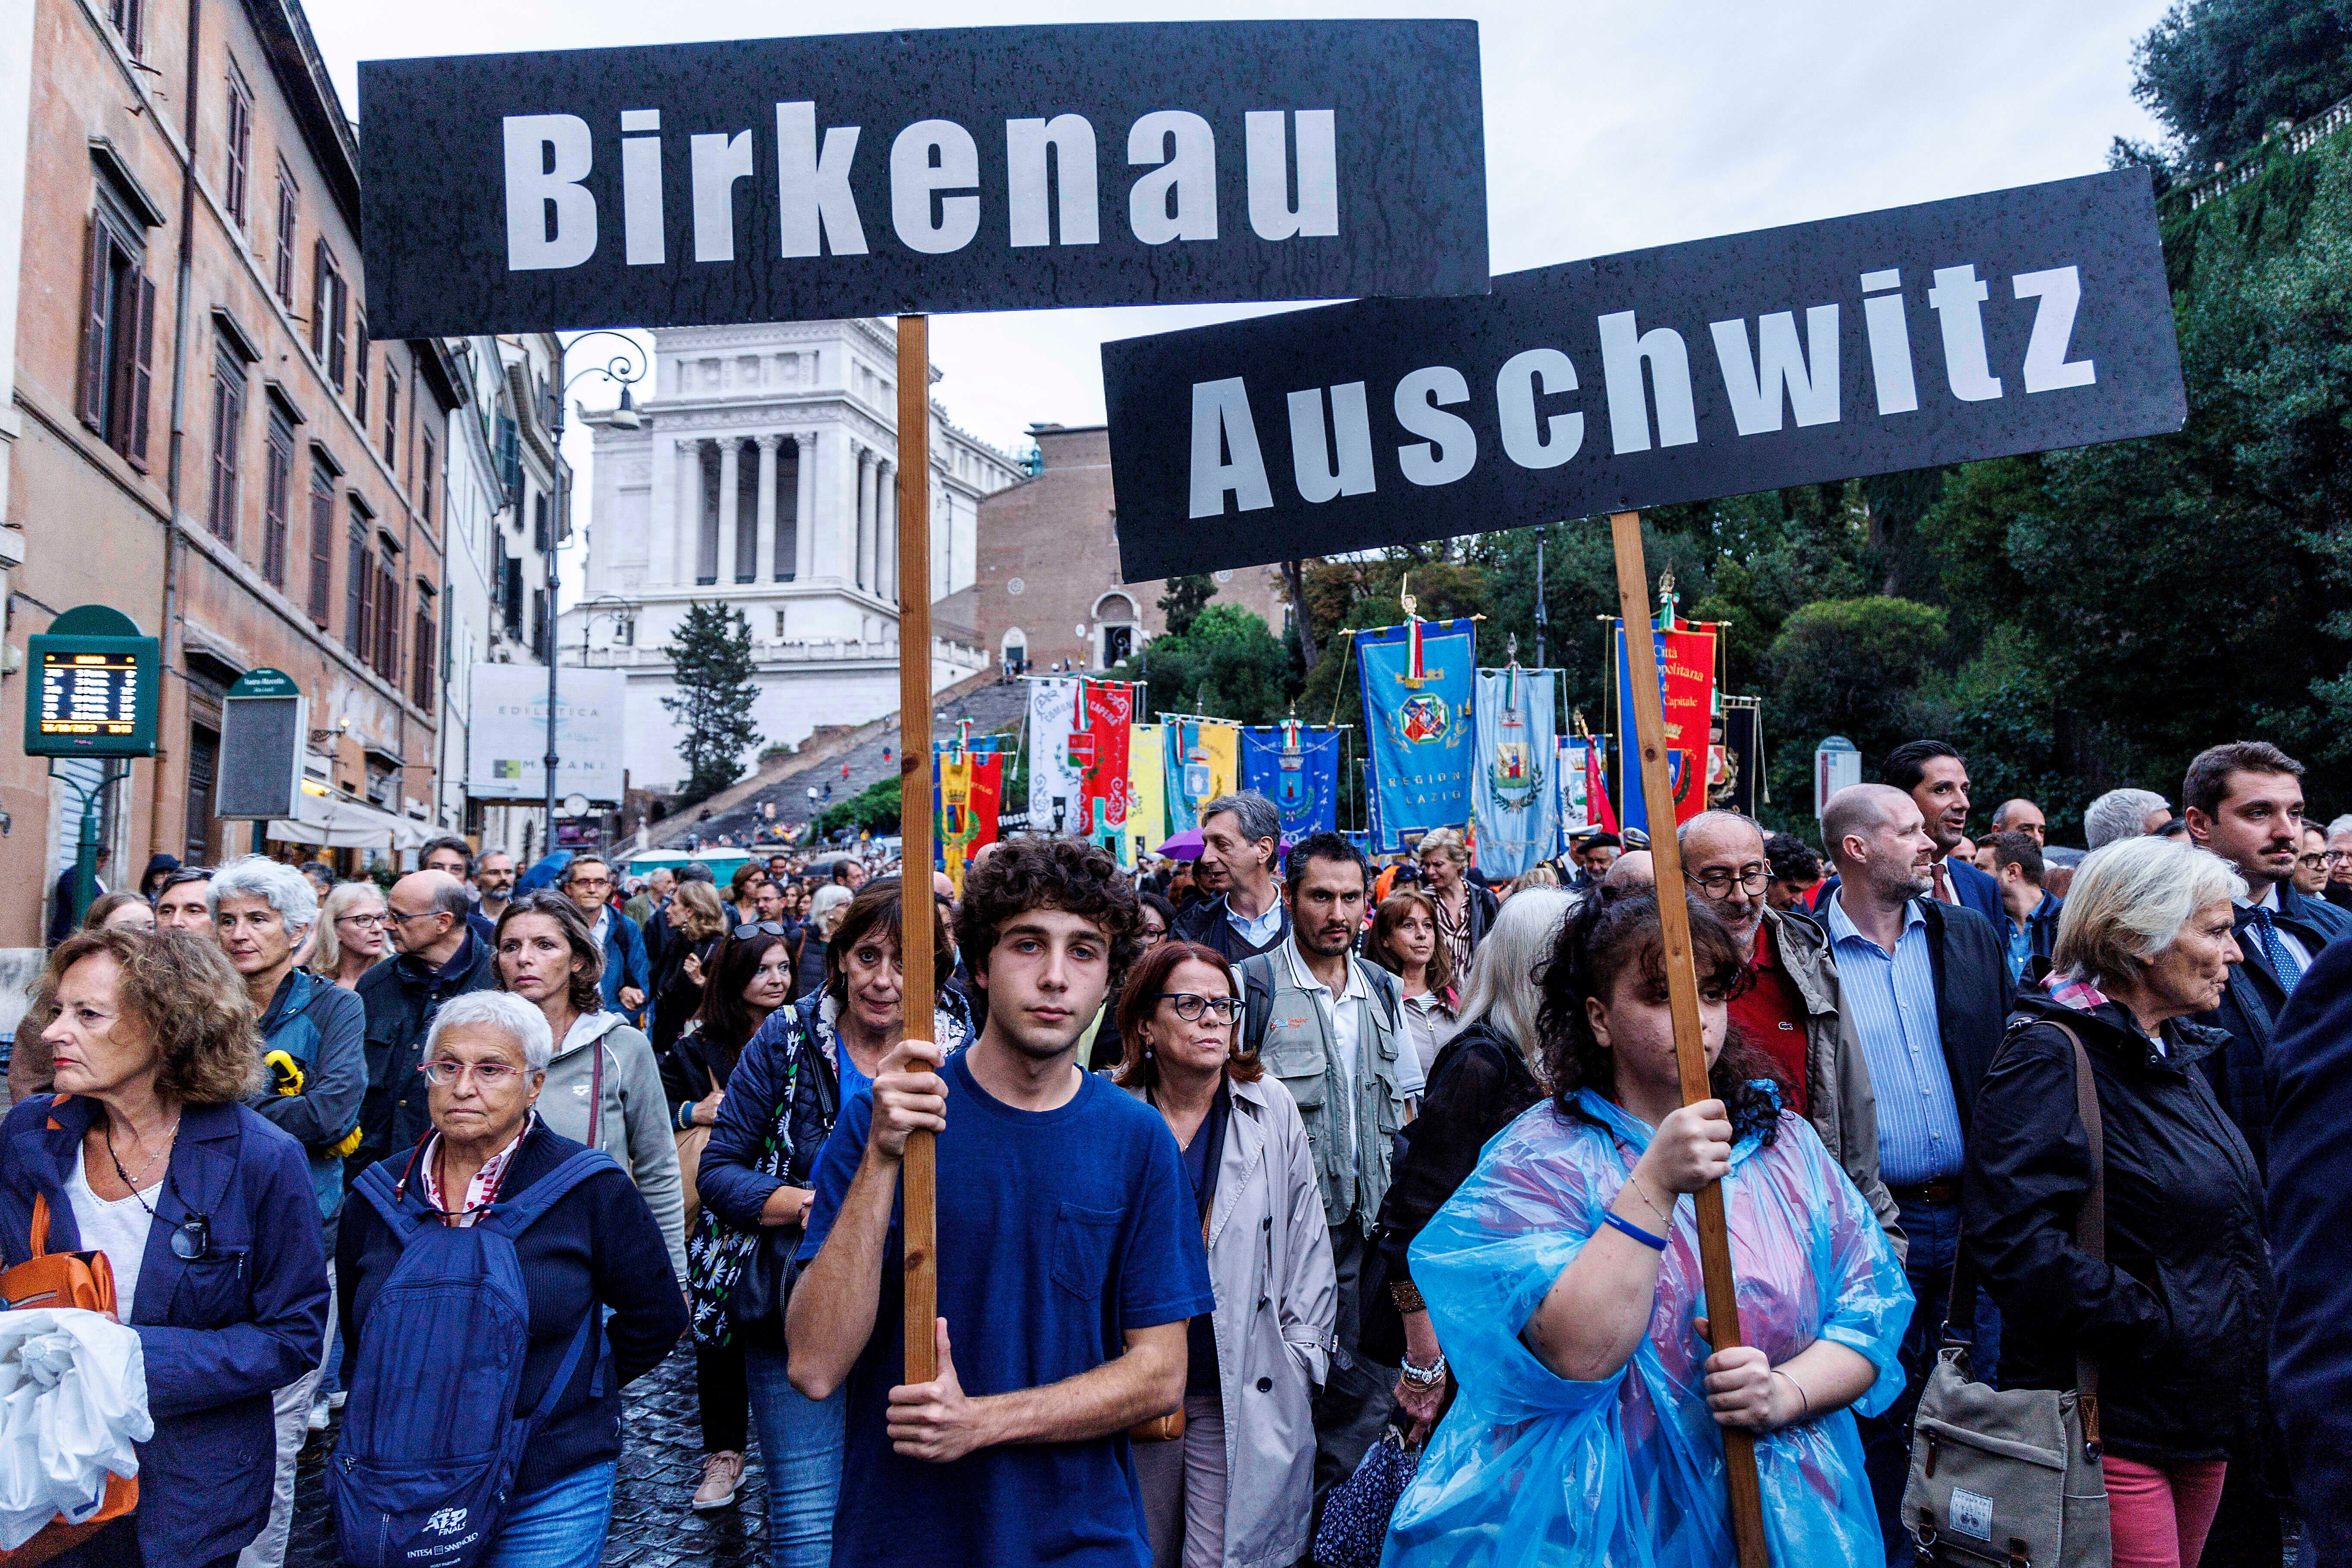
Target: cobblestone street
x,y
661,1461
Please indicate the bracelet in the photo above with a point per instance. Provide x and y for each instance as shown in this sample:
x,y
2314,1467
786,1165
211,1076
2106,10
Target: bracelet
x,y
1424,1376
1407,1296
1654,1243
1642,1193
1806,1400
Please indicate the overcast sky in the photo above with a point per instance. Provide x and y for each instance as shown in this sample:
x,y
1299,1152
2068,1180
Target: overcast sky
x,y
1609,126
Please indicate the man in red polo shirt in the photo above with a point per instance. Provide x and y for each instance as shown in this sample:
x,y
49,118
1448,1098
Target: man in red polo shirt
x,y
1789,1006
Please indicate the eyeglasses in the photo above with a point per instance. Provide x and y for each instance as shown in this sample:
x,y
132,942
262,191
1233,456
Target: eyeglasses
x,y
2315,862
1718,884
365,922
760,928
1189,1007
398,919
488,1075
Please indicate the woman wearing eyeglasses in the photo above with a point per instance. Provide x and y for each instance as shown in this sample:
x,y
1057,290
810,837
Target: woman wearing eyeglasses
x,y
1234,1487
351,928
749,975
596,1250
603,1088
757,1180
205,1212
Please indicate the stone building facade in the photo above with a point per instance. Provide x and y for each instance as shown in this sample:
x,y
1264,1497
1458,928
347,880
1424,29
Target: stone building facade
x,y
1048,589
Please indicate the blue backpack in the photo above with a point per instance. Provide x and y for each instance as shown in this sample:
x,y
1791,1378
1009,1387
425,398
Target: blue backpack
x,y
424,1469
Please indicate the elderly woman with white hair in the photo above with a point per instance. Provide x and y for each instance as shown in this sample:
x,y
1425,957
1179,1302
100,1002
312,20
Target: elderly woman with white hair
x,y
314,1051
595,1254
1488,1071
2176,1313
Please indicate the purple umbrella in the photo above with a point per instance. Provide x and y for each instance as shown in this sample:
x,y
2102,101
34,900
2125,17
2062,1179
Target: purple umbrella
x,y
1185,846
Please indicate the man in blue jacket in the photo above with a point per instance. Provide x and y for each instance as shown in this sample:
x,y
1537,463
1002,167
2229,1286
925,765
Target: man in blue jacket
x,y
588,882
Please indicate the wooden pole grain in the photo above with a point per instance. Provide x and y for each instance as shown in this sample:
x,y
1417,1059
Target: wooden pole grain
x,y
918,1175
1682,997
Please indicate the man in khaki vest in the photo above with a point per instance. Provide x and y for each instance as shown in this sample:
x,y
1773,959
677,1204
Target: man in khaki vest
x,y
1325,1023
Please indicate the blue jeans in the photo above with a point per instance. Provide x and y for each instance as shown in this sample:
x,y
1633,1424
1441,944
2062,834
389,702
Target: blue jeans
x,y
1933,1231
559,1526
800,1452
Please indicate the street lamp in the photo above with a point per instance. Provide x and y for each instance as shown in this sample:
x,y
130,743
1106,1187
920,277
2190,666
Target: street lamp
x,y
626,369
602,606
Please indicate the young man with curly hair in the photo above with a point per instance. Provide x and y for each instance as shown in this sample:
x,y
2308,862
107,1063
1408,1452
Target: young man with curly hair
x,y
1070,1254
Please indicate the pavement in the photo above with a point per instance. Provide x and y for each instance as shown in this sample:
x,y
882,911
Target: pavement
x,y
661,1464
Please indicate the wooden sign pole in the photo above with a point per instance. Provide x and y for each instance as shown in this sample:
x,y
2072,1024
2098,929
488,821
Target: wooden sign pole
x,y
1682,996
918,1183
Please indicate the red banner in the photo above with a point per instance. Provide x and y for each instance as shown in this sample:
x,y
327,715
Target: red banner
x,y
1106,709
970,793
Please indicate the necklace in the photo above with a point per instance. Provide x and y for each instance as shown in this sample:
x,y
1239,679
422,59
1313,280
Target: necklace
x,y
160,1150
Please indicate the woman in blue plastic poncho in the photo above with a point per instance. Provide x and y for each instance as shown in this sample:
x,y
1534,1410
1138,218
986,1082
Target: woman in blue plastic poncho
x,y
1564,1280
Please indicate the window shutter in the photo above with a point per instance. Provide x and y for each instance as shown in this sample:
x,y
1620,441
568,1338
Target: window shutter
x,y
335,349
319,301
93,329
355,595
143,374
322,544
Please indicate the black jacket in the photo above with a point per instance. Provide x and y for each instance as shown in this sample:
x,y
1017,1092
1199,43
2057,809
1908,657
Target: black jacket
x,y
1972,995
690,1069
2310,1074
1205,924
2250,1008
1477,1086
2179,1314
598,1248
401,995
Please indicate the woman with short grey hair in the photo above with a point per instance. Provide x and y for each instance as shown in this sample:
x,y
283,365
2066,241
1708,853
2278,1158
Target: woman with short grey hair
x,y
2176,1312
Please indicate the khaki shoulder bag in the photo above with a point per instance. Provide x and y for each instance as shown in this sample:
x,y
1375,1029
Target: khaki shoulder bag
x,y
2010,1478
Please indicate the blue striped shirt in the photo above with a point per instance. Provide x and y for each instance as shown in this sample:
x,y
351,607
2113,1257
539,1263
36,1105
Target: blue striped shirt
x,y
1891,998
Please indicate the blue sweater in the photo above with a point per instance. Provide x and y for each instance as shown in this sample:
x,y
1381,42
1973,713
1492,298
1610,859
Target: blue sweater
x,y
599,1247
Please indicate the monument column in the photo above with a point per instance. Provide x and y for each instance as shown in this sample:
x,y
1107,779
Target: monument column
x,y
731,461
885,529
689,511
865,465
763,552
804,514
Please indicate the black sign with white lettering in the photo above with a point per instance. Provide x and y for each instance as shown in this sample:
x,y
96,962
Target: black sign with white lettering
x,y
965,169
2019,322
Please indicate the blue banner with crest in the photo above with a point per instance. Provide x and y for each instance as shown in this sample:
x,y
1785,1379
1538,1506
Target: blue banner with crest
x,y
1417,723
1296,766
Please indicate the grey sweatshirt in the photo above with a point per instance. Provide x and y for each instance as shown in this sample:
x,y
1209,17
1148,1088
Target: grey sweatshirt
x,y
633,1125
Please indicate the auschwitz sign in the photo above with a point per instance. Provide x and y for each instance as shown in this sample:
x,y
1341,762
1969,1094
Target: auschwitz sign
x,y
2016,321
965,169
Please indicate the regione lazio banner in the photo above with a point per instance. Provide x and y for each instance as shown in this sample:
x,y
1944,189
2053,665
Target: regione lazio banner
x,y
2016,321
887,173
1200,767
1686,692
1101,754
1052,772
1510,791
1296,766
967,792
1147,800
1417,719
1571,801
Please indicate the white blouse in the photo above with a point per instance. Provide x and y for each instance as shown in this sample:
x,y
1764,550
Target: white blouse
x,y
118,1228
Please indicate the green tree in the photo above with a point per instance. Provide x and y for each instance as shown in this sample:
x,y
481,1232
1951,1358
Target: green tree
x,y
1185,599
1227,664
2219,74
1848,667
712,655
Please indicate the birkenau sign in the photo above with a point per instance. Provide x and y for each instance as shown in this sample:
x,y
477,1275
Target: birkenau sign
x,y
963,169
2021,321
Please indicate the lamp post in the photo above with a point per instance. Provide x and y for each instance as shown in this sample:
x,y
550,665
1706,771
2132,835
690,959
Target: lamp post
x,y
602,606
626,369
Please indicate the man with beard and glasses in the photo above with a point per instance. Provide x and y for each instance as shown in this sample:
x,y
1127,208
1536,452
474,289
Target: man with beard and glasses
x,y
1328,1024
1924,987
1790,1007
1070,1258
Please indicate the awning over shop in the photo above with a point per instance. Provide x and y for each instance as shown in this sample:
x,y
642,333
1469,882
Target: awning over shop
x,y
336,822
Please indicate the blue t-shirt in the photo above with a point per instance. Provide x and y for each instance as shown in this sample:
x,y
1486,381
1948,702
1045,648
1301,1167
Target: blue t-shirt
x,y
1058,1231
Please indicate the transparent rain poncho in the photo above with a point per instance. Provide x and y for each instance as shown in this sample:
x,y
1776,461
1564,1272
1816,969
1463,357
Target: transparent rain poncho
x,y
1530,1469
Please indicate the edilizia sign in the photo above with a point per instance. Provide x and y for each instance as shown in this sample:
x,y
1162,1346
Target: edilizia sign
x,y
966,169
2020,321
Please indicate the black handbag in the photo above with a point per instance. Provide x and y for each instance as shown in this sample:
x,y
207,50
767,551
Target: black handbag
x,y
765,1284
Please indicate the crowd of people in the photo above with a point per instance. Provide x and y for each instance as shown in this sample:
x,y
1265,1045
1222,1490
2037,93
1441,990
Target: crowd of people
x,y
1243,1163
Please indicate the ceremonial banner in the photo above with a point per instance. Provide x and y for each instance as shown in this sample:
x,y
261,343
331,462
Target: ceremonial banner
x,y
1296,766
968,787
2014,321
892,173
1202,765
1687,690
1417,718
1101,754
1054,785
1573,800
1146,797
1512,793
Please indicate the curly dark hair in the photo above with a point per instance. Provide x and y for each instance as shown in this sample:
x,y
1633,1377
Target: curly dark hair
x,y
182,987
1611,935
1066,874
587,988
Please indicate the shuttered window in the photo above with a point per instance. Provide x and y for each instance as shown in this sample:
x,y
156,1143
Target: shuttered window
x,y
276,499
228,435
323,541
118,349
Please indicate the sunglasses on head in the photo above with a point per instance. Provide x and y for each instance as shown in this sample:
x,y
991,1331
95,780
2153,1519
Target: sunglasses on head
x,y
760,928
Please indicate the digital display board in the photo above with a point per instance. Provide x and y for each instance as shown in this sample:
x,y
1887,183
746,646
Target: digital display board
x,y
89,693
96,685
